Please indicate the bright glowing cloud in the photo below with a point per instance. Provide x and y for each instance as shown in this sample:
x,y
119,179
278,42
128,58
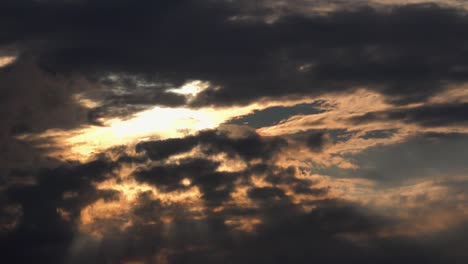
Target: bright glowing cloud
x,y
6,60
155,123
191,89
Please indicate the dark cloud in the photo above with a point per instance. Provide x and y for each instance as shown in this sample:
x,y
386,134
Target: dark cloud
x,y
384,133
316,141
217,186
324,235
169,178
48,216
266,193
316,236
202,172
162,149
434,115
301,189
122,95
249,147
288,176
334,232
34,101
408,53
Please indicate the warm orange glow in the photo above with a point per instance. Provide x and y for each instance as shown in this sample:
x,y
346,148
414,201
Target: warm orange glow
x,y
191,89
243,224
186,182
6,60
155,123
101,215
163,122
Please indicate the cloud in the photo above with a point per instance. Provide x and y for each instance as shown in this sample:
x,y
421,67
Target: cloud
x,y
256,214
244,61
355,152
215,185
418,157
249,147
273,115
316,141
434,115
49,210
34,101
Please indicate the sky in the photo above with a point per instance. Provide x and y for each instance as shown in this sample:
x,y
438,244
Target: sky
x,y
233,131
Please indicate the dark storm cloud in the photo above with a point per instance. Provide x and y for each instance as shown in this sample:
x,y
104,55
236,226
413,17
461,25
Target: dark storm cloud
x,y
278,176
385,133
266,193
317,237
216,187
409,52
169,177
301,189
42,234
250,147
435,115
162,149
33,101
336,232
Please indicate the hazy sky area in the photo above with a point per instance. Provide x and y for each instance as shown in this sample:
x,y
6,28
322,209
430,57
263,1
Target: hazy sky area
x,y
233,131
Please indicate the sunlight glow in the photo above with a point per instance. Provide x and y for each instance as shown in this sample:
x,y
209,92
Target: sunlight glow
x,y
7,60
159,122
186,182
191,88
155,123
101,216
